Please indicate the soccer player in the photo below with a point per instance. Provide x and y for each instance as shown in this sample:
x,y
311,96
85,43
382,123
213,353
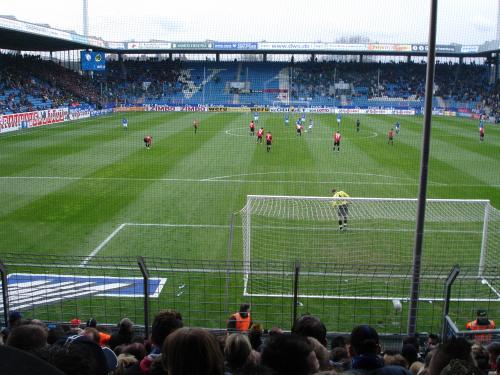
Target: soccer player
x,y
390,135
269,140
298,126
339,119
148,140
287,119
260,133
336,140
252,128
481,133
256,117
196,124
124,123
397,126
311,125
342,207
357,125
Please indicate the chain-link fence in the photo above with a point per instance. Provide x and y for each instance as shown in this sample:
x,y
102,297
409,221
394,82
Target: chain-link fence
x,y
59,288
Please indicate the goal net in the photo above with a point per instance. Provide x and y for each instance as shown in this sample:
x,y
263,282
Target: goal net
x,y
379,235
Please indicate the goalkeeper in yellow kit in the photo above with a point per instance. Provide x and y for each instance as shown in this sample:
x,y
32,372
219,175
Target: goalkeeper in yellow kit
x,y
342,207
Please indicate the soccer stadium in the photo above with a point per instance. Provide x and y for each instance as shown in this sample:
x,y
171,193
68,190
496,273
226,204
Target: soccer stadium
x,y
344,174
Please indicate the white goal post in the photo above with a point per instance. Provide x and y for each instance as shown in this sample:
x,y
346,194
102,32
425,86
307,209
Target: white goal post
x,y
379,231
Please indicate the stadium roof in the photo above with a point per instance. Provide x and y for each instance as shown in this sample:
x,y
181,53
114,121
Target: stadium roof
x,y
25,36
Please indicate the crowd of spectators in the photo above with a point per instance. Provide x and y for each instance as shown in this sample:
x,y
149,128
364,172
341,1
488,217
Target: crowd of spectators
x,y
33,347
459,83
30,83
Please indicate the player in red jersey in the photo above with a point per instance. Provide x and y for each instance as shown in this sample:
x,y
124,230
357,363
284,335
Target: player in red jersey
x,y
481,133
269,140
148,140
260,133
390,136
196,125
252,128
336,140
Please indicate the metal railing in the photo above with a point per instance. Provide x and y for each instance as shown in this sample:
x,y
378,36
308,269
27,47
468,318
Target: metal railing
x,y
58,289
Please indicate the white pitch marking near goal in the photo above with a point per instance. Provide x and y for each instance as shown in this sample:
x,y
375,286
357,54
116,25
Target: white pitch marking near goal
x,y
99,247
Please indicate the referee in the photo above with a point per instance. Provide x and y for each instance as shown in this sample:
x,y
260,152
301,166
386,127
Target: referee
x,y
342,207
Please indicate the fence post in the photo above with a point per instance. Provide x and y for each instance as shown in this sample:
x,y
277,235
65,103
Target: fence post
x,y
5,294
295,290
145,276
447,295
229,262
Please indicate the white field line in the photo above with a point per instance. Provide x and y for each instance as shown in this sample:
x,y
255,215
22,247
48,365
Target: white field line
x,y
372,298
101,245
224,179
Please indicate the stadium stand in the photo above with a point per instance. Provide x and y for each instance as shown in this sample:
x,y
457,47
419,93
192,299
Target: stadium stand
x,y
29,83
174,349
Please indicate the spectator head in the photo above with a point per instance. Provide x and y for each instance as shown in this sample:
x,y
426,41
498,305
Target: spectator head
x,y
460,367
81,356
165,322
289,355
481,356
15,318
410,353
255,336
29,337
310,326
395,360
412,340
494,351
136,349
237,350
364,340
55,333
125,326
244,308
432,341
339,342
416,367
192,351
498,364
455,348
91,323
92,334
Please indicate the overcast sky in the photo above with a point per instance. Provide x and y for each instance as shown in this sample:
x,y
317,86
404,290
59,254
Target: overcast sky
x,y
391,21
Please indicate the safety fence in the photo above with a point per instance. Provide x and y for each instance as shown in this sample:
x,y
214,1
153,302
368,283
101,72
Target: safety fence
x,y
60,288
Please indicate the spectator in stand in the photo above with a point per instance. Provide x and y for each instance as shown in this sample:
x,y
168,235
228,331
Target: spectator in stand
x,y
165,323
455,349
289,355
192,351
238,353
494,352
482,358
255,336
103,337
124,335
364,350
28,337
310,326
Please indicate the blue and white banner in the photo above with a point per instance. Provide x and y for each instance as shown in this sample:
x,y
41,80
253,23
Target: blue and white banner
x,y
29,290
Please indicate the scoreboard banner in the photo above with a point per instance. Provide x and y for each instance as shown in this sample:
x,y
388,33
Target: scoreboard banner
x,y
93,60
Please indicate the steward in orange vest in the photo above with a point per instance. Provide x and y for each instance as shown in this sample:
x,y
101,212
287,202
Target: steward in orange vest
x,y
482,322
240,321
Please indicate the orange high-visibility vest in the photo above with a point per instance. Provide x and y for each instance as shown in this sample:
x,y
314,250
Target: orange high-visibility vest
x,y
481,337
242,324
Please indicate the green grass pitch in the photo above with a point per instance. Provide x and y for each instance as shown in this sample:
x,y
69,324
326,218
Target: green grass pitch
x,y
90,188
